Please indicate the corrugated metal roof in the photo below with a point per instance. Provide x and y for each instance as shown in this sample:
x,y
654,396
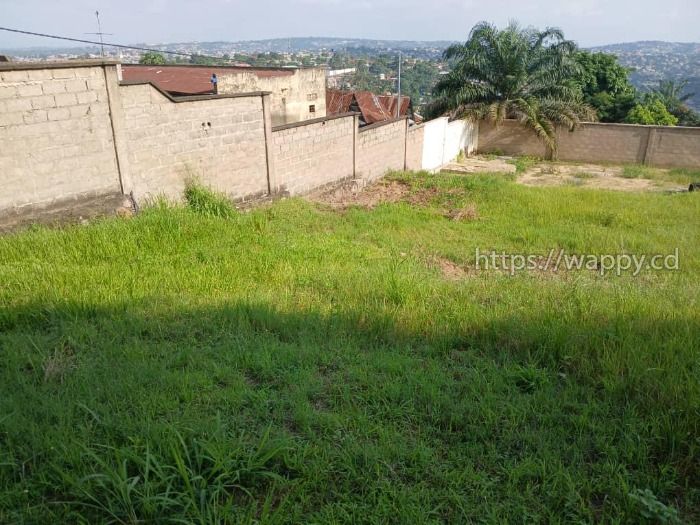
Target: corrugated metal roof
x,y
190,80
374,108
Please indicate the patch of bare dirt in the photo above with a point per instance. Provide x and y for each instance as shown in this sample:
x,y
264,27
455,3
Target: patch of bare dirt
x,y
560,174
369,197
480,165
585,175
449,269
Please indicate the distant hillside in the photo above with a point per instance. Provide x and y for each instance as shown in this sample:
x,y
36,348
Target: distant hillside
x,y
653,61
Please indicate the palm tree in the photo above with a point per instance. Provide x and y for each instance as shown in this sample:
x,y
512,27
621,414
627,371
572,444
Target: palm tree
x,y
517,73
671,93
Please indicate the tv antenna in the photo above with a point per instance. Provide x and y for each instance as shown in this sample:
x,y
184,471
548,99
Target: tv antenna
x,y
100,33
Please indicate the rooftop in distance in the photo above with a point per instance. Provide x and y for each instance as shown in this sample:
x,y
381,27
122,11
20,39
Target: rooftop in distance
x,y
191,79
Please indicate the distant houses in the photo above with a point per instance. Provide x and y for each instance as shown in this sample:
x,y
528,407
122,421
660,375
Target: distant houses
x,y
297,94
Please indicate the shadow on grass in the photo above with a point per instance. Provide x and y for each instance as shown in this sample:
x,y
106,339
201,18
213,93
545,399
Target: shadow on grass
x,y
155,411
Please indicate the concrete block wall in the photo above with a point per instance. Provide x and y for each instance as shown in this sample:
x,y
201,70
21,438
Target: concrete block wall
x,y
313,153
619,143
674,147
218,140
381,148
414,148
661,146
509,138
56,141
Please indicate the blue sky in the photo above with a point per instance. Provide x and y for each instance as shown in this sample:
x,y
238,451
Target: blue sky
x,y
590,22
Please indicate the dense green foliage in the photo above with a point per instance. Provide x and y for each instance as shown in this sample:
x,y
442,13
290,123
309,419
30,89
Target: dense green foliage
x,y
605,85
295,364
651,111
514,73
152,58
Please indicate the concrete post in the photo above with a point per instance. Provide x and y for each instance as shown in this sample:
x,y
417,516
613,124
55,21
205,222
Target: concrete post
x,y
405,143
649,151
117,119
355,143
267,119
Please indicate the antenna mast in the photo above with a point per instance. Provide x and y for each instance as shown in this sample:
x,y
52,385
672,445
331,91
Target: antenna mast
x,y
398,101
100,33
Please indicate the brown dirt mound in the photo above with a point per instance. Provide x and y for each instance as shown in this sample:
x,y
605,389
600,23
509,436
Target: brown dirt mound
x,y
450,270
369,197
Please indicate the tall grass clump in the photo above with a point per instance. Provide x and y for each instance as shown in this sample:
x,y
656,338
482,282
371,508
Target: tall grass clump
x,y
184,479
205,201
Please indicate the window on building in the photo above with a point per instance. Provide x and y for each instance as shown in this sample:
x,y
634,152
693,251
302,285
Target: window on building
x,y
312,108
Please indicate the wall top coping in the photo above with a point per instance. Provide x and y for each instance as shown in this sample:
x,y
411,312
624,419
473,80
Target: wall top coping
x,y
301,123
193,98
382,123
514,122
66,64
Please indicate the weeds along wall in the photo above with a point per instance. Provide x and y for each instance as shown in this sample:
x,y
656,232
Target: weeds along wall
x,y
661,146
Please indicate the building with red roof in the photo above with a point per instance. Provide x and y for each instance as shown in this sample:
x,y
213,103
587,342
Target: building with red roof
x,y
373,108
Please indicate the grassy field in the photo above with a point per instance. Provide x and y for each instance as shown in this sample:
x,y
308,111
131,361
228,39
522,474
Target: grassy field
x,y
301,364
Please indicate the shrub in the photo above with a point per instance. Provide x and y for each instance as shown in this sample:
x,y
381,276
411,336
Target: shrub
x,y
651,112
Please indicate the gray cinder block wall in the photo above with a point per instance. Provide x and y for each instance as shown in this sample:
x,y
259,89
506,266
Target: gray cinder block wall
x,y
660,146
71,134
219,140
381,147
56,137
312,154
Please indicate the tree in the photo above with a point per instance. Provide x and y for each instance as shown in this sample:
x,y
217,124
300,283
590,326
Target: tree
x,y
518,73
152,58
605,85
201,60
651,111
673,95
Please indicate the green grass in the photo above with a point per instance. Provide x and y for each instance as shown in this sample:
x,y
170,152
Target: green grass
x,y
299,365
677,175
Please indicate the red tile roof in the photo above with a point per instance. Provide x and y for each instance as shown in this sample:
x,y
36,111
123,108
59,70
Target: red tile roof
x,y
190,80
374,108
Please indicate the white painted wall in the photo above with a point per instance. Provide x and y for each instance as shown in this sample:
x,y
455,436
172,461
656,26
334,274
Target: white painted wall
x,y
434,143
443,140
